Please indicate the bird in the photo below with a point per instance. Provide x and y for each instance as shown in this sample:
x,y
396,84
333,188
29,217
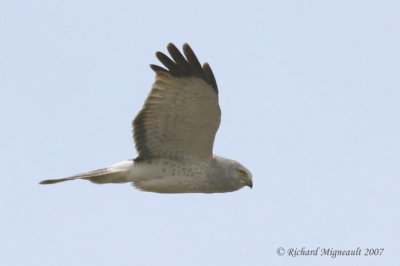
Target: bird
x,y
174,135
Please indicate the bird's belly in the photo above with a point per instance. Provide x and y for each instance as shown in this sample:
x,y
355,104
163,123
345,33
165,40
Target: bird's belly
x,y
167,176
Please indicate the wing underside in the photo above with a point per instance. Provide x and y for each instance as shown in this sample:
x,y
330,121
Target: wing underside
x,y
181,115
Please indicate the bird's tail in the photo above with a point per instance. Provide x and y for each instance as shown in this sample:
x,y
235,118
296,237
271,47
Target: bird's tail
x,y
114,174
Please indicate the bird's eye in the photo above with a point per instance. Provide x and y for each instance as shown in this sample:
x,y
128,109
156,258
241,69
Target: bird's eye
x,y
241,172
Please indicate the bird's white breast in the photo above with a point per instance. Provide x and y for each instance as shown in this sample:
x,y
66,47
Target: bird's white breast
x,y
169,176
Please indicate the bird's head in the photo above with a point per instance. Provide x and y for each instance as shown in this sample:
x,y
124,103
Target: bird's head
x,y
243,175
234,173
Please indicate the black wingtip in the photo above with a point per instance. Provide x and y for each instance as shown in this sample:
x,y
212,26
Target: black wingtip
x,y
187,65
158,68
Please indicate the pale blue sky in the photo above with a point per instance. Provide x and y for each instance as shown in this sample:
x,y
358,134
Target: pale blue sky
x,y
310,94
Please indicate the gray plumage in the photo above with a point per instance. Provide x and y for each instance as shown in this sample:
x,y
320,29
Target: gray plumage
x,y
174,135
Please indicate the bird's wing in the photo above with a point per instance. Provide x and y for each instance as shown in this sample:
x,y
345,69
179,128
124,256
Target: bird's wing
x,y
181,115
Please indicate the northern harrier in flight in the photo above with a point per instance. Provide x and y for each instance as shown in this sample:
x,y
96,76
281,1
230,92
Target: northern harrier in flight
x,y
174,135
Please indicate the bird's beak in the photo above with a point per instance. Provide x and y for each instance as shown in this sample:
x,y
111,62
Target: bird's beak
x,y
248,181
